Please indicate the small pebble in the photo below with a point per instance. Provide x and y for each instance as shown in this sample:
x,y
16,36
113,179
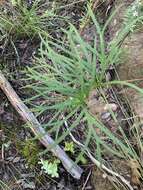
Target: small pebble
x,y
106,116
27,175
89,187
16,159
10,158
26,166
104,176
5,177
19,181
28,185
22,166
108,76
111,106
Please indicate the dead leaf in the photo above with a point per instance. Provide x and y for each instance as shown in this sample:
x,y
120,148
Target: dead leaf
x,y
135,171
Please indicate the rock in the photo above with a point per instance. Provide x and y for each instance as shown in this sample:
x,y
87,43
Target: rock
x,y
28,185
28,175
110,106
10,158
106,116
16,159
108,76
95,103
5,177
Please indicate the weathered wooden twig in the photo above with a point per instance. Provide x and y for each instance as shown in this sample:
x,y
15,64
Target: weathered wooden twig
x,y
37,129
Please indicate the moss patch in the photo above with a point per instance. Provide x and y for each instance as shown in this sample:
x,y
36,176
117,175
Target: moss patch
x,y
30,151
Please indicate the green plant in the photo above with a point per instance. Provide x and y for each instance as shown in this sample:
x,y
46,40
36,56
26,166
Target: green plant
x,y
17,19
69,146
16,2
66,74
50,168
4,186
30,150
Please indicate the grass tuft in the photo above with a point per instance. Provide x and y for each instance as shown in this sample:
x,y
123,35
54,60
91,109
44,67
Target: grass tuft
x,y
64,75
18,19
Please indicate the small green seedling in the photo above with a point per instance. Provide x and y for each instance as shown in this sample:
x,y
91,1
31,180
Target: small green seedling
x,y
51,168
15,2
69,147
83,159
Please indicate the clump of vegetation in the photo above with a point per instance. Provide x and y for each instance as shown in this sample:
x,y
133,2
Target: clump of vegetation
x,y
69,147
4,186
51,168
19,19
66,75
30,150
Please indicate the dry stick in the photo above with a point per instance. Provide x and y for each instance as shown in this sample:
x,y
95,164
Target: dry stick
x,y
86,181
37,129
